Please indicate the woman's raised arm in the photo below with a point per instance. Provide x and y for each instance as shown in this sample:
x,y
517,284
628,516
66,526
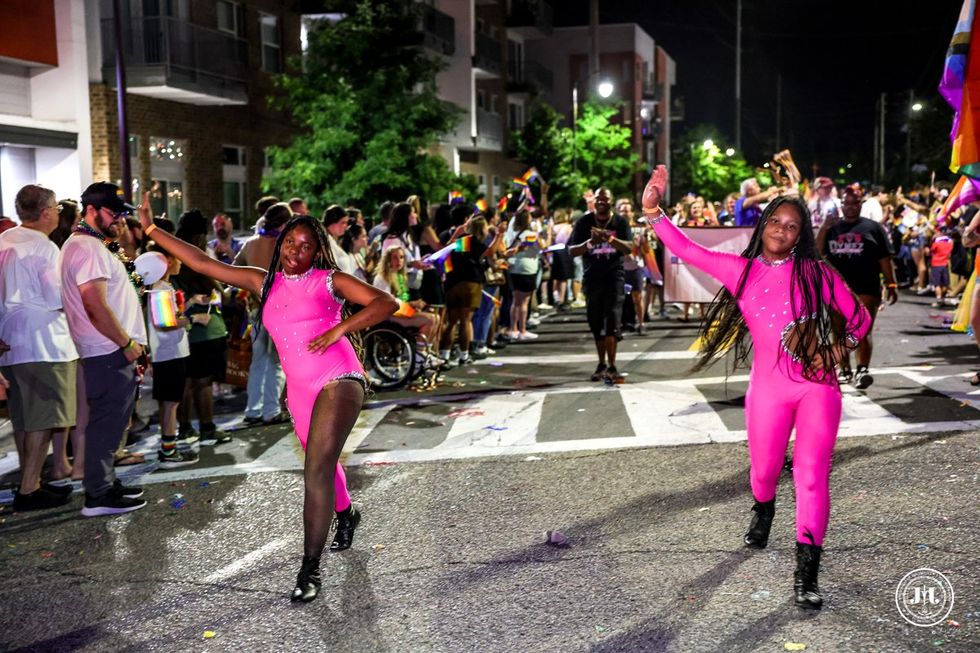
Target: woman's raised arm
x,y
247,278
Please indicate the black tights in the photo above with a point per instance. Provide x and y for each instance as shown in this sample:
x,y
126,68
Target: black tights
x,y
334,415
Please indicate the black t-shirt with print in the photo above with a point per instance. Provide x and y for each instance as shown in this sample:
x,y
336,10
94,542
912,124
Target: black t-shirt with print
x,y
855,249
603,264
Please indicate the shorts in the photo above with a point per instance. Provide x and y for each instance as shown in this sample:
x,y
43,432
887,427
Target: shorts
x,y
208,359
523,282
562,266
939,276
42,395
464,295
634,279
169,378
604,310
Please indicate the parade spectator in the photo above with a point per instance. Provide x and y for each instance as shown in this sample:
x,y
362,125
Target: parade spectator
x,y
224,246
266,379
106,324
522,268
399,234
40,364
860,250
632,270
464,287
824,204
354,242
562,264
603,239
873,207
208,338
335,221
940,251
726,217
298,206
68,218
392,278
262,205
169,350
748,207
6,223
384,214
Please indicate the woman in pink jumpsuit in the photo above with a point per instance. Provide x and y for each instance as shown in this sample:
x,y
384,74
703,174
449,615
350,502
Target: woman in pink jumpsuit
x,y
303,298
780,294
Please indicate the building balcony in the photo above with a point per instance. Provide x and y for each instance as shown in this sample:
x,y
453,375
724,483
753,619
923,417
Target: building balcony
x,y
531,79
438,31
488,61
651,90
532,19
489,131
175,60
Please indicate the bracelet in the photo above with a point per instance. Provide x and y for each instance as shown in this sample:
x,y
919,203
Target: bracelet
x,y
658,213
129,343
892,285
149,230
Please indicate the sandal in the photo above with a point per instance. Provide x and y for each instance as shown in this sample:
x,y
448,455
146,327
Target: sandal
x,y
128,458
975,380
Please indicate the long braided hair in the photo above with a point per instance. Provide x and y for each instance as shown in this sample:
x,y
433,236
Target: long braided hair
x,y
322,260
814,330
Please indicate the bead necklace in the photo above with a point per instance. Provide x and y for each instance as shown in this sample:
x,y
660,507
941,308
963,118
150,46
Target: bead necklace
x,y
297,277
772,263
116,250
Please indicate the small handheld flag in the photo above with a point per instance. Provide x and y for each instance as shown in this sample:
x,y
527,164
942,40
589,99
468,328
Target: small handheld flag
x,y
502,202
456,196
463,244
531,175
481,206
163,309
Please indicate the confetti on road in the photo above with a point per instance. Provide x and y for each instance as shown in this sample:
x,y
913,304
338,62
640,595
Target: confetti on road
x,y
378,547
556,538
209,634
794,646
533,458
496,428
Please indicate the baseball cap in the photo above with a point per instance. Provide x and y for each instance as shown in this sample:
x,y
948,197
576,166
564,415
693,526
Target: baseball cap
x,y
823,182
102,194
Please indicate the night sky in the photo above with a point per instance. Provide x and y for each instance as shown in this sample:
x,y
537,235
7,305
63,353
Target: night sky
x,y
834,57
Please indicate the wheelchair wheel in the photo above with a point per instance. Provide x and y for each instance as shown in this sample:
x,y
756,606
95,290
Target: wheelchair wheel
x,y
389,355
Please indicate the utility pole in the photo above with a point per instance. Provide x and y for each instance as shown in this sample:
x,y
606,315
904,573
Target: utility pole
x,y
594,51
908,140
877,134
779,110
881,141
127,176
738,78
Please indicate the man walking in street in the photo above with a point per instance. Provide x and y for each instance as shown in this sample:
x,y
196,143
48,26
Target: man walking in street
x,y
106,323
41,363
603,239
860,250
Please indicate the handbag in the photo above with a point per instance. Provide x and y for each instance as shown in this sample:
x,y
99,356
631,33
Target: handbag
x,y
494,277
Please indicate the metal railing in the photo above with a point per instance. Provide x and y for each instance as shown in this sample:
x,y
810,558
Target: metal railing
x,y
186,51
438,31
489,56
489,130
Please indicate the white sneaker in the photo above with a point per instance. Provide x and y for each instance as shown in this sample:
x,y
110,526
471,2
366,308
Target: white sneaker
x,y
546,307
533,322
578,303
527,335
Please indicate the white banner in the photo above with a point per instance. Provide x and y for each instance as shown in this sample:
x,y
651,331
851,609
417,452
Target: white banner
x,y
686,283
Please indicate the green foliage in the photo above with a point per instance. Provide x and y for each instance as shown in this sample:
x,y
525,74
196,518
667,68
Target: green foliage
x,y
596,153
707,171
366,101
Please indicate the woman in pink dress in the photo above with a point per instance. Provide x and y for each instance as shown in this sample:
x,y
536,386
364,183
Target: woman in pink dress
x,y
303,305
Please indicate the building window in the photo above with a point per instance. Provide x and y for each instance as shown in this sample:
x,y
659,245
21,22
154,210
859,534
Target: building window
x,y
515,115
163,149
167,197
134,147
515,60
481,187
230,17
234,201
493,103
269,32
481,99
233,155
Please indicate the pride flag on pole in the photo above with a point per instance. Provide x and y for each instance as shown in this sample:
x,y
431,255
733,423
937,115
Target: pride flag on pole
x,y
502,202
531,175
163,309
463,244
481,206
455,196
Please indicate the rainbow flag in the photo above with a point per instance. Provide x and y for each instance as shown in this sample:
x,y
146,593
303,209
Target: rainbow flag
x,y
531,175
960,75
163,309
520,181
463,244
447,264
502,202
456,196
481,206
530,238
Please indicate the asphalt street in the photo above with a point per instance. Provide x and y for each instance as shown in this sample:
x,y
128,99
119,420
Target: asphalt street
x,y
648,481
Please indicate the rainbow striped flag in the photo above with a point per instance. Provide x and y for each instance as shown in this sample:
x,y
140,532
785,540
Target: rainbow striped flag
x,y
960,74
502,202
531,175
447,264
520,181
966,190
481,206
530,237
456,196
163,309
463,244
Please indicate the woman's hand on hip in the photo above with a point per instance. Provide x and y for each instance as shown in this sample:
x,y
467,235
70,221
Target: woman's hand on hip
x,y
325,340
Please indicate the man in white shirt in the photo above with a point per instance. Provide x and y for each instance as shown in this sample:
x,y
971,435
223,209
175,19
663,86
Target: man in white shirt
x,y
106,322
871,208
824,205
41,362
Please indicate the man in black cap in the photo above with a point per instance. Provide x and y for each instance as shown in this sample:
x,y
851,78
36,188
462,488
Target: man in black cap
x,y
106,322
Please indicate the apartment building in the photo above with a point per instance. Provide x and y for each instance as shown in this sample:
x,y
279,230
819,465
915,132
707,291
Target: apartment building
x,y
45,135
198,75
641,74
490,79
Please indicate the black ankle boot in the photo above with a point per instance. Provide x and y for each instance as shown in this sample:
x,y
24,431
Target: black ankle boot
x,y
307,580
805,579
347,521
758,535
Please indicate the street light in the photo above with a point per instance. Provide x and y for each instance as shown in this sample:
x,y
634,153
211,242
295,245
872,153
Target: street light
x,y
604,89
917,106
708,144
730,151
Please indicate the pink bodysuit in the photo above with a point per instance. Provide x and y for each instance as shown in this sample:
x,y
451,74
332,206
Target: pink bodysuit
x,y
297,310
778,397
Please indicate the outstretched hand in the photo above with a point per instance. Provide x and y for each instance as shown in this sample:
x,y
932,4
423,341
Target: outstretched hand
x,y
145,212
655,189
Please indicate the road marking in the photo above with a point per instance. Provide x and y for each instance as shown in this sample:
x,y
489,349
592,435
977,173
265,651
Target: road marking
x,y
245,561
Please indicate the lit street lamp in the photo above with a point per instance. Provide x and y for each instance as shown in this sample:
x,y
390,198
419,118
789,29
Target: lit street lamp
x,y
730,151
917,106
604,89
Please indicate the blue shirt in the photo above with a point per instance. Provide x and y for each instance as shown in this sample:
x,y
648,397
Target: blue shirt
x,y
746,216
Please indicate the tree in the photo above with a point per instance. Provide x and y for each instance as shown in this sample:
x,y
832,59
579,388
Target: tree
x,y
597,153
700,166
366,101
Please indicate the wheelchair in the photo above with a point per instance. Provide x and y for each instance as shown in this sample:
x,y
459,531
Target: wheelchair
x,y
395,356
